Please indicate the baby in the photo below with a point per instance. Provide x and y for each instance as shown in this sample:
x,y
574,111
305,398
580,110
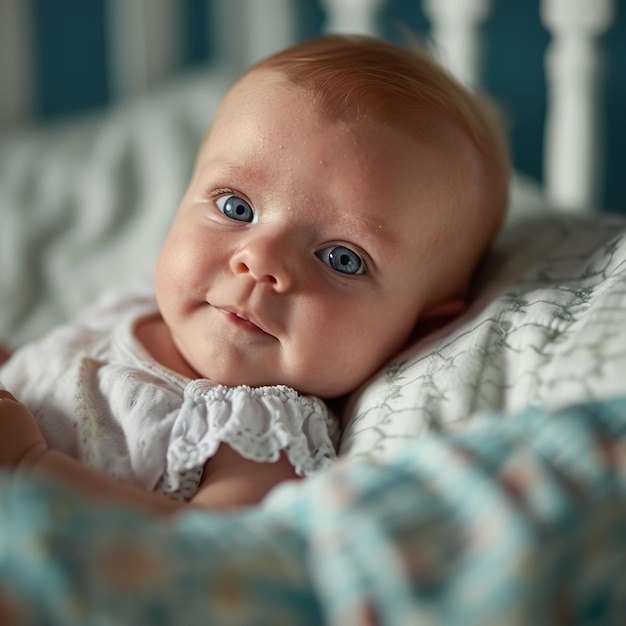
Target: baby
x,y
340,202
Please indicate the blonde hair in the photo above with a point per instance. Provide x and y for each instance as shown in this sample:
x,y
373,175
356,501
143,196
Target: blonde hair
x,y
355,75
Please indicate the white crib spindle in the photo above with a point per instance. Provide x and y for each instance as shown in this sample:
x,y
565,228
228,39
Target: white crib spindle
x,y
249,30
455,31
574,68
17,91
145,43
352,16
270,27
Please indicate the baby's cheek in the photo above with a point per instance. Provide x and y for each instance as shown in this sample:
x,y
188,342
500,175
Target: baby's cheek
x,y
177,265
345,366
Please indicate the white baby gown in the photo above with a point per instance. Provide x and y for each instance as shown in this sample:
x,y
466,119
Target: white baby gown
x,y
101,398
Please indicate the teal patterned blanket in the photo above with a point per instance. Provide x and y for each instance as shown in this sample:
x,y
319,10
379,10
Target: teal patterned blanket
x,y
513,521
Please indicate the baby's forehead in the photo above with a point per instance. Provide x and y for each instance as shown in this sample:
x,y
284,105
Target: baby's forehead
x,y
258,95
338,102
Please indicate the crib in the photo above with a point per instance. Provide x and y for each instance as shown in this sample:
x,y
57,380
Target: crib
x,y
146,43
482,474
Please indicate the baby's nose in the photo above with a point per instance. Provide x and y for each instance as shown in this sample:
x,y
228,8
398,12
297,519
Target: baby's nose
x,y
266,261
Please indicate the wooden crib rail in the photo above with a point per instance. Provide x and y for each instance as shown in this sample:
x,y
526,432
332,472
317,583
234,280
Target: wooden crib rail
x,y
573,133
146,42
455,31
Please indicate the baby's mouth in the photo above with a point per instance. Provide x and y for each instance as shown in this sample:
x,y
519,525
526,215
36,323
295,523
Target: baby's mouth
x,y
243,320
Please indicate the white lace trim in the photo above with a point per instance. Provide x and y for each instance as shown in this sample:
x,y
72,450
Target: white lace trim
x,y
257,422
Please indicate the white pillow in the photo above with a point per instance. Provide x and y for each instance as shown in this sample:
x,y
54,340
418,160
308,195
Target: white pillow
x,y
547,327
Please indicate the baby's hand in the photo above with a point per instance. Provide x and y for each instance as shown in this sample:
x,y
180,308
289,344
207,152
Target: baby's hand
x,y
21,441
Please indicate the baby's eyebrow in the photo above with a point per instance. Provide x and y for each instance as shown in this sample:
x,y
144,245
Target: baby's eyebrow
x,y
371,234
365,227
372,230
232,173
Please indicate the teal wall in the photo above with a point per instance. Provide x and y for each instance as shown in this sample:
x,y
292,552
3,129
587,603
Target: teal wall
x,y
71,54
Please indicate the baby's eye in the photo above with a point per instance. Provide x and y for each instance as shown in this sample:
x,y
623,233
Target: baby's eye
x,y
236,208
342,259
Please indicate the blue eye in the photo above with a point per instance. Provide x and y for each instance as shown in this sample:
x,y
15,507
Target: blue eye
x,y
236,208
342,259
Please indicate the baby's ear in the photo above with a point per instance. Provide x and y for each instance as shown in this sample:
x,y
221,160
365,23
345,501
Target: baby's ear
x,y
445,311
438,315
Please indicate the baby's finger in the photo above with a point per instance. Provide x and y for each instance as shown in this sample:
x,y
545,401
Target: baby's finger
x,y
4,393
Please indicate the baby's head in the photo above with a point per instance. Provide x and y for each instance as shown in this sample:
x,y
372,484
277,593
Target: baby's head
x,y
344,194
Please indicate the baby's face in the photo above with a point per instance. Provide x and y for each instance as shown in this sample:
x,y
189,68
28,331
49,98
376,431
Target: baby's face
x,y
304,250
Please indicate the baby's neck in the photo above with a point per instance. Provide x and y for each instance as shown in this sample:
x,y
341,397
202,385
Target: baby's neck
x,y
153,334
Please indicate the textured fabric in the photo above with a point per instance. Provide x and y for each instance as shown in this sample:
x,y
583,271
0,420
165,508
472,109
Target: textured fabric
x,y
99,397
518,520
546,328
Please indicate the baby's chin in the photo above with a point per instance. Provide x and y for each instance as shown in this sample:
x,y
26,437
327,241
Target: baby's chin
x,y
329,386
238,379
269,381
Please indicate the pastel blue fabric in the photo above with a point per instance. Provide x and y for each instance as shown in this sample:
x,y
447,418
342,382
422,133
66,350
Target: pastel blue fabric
x,y
513,521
